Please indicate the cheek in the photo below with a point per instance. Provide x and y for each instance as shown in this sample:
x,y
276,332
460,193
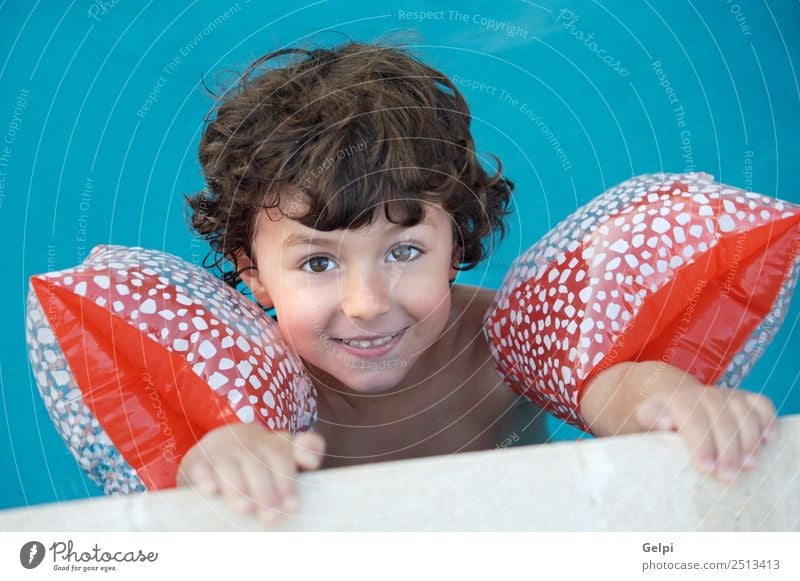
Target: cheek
x,y
427,299
300,321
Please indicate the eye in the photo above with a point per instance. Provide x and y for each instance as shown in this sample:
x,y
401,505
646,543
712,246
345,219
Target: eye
x,y
404,253
317,264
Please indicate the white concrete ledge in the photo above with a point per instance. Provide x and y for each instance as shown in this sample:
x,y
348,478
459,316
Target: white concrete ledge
x,y
629,483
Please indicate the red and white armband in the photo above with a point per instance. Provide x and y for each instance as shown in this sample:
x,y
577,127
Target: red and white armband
x,y
664,267
137,354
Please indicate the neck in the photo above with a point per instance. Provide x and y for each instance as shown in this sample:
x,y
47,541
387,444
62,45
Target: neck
x,y
338,403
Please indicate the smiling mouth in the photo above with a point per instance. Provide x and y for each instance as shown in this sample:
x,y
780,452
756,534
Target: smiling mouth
x,y
372,344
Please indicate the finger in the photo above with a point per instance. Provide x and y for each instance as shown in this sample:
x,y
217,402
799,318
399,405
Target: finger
x,y
654,415
309,450
201,477
767,416
231,482
691,420
724,428
261,484
284,477
183,478
186,466
750,431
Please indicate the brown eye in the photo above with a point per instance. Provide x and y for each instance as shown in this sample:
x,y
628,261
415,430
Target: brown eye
x,y
318,263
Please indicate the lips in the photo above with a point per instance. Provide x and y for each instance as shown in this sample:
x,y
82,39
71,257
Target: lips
x,y
368,349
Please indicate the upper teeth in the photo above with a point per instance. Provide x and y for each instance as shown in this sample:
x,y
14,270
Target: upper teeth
x,y
368,344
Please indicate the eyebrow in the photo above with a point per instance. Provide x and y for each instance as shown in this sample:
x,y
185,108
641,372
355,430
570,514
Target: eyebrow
x,y
298,239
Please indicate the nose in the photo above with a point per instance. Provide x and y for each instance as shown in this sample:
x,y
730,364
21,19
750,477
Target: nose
x,y
366,294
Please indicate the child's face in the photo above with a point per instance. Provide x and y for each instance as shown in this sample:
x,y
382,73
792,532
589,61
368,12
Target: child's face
x,y
383,280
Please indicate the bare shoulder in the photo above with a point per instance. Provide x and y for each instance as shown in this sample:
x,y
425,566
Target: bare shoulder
x,y
472,302
494,400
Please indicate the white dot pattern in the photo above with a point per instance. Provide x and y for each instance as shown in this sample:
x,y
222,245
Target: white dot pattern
x,y
86,439
566,301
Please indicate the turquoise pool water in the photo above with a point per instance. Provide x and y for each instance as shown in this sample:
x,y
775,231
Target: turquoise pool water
x,y
101,110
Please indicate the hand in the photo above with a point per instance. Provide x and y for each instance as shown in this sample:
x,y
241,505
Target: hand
x,y
252,467
723,428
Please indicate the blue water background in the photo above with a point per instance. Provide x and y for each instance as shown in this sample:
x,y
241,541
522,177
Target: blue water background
x,y
85,160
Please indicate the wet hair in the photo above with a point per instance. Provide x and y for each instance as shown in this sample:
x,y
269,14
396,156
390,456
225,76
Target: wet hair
x,y
346,130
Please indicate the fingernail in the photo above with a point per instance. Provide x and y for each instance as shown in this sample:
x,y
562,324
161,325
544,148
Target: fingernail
x,y
706,465
769,433
727,474
749,462
243,505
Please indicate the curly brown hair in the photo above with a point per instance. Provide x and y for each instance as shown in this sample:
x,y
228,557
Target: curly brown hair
x,y
349,129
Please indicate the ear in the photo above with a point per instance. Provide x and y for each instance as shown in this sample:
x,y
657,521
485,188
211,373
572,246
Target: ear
x,y
453,273
455,260
251,279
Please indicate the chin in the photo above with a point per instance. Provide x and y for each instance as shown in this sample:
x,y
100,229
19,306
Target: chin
x,y
368,380
370,377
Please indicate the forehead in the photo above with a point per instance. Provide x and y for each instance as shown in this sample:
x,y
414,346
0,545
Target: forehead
x,y
281,225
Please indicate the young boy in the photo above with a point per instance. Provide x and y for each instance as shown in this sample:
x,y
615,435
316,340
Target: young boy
x,y
345,190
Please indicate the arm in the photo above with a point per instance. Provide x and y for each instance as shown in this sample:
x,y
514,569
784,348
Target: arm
x,y
723,428
608,400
